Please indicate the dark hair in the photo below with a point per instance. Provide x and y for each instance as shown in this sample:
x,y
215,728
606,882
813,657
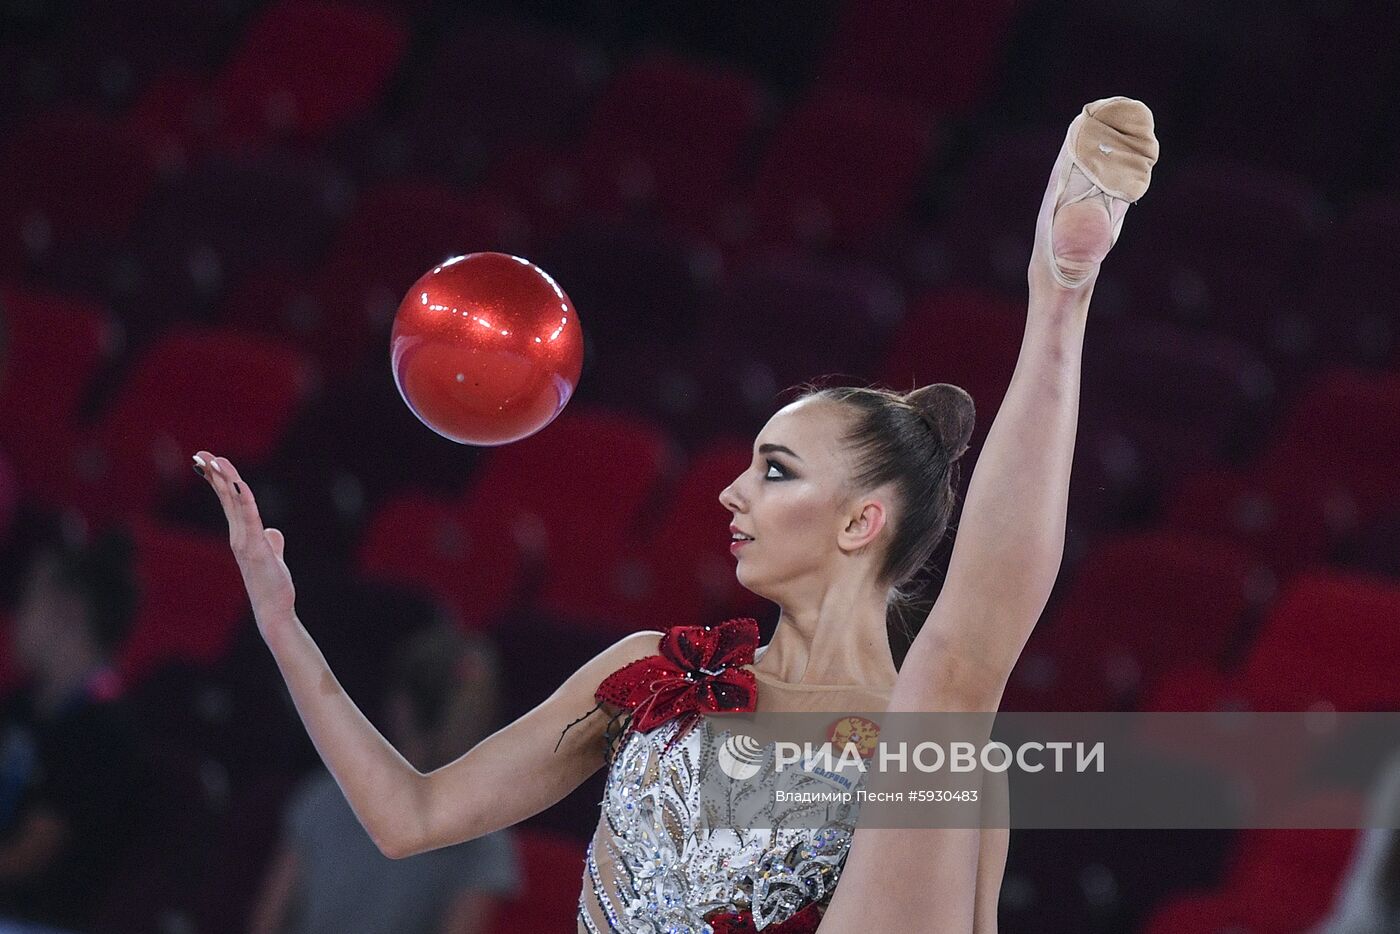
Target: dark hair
x,y
101,573
890,434
450,678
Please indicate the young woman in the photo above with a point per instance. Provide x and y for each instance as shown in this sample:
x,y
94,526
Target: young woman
x,y
849,493
442,697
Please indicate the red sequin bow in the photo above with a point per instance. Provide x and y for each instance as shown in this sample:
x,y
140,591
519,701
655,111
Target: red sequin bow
x,y
695,673
804,922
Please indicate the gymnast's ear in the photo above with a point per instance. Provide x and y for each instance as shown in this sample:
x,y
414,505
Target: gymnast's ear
x,y
864,521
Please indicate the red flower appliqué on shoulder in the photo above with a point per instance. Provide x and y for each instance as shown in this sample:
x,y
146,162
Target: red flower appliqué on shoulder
x,y
695,672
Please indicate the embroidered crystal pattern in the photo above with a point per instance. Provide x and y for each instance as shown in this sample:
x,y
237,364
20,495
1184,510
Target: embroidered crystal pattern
x,y
681,850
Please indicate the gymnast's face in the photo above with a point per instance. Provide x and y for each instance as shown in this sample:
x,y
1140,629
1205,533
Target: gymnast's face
x,y
795,499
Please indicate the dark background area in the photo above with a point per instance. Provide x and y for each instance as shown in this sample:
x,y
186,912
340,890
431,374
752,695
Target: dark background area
x,y
210,211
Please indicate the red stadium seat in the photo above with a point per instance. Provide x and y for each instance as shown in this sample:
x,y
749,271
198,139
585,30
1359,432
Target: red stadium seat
x,y
1330,639
553,870
228,393
681,573
1190,686
1140,604
192,598
1243,278
1290,875
840,167
1185,400
415,539
208,228
1280,881
1351,414
70,176
1326,645
1292,507
57,345
576,496
306,67
667,133
1209,913
494,85
541,182
174,118
1327,642
240,213
965,336
971,337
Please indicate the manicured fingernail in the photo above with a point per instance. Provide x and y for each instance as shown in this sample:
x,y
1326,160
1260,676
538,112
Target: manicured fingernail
x,y
199,465
215,464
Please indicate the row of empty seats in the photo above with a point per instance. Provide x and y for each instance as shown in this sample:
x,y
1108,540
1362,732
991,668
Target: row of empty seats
x,y
1247,528
212,211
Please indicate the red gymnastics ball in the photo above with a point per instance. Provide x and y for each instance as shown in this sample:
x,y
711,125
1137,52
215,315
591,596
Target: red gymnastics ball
x,y
486,349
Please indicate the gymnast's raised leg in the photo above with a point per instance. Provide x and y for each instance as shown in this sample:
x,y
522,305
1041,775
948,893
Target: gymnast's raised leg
x,y
1011,537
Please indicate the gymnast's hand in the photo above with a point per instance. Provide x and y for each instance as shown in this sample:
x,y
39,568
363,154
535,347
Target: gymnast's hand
x,y
257,550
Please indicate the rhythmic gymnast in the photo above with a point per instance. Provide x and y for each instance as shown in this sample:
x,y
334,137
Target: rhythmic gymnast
x,y
849,492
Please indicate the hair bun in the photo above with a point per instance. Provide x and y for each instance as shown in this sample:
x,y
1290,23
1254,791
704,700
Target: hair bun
x,y
949,411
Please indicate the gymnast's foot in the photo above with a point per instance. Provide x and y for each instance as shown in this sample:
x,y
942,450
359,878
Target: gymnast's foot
x,y
1104,166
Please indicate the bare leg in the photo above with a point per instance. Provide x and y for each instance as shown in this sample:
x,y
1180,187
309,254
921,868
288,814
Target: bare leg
x,y
925,879
1012,541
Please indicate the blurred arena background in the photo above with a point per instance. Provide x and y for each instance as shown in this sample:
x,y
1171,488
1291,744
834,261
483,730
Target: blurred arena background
x,y
210,211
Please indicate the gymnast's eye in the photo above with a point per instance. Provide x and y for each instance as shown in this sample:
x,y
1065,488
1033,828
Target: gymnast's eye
x,y
774,465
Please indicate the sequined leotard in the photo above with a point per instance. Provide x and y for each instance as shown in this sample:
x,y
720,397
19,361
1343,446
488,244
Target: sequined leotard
x,y
654,866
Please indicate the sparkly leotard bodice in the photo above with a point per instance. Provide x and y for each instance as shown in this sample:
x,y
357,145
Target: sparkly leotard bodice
x,y
662,861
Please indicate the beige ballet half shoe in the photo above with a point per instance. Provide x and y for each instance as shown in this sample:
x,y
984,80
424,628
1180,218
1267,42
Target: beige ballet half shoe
x,y
1108,155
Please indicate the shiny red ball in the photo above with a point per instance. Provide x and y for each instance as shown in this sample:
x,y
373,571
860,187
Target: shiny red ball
x,y
486,349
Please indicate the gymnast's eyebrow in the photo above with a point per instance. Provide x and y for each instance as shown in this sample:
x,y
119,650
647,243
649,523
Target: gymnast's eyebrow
x,y
767,448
